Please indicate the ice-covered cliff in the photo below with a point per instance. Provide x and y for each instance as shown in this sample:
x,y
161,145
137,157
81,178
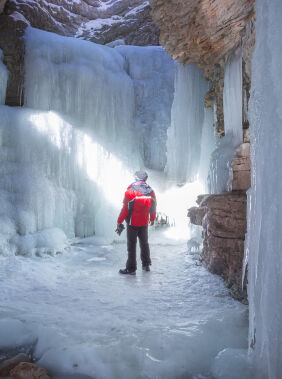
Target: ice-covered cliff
x,y
264,242
92,115
206,33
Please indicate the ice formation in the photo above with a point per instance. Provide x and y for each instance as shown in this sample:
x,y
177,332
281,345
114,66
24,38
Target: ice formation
x,y
86,319
187,116
68,156
208,145
4,74
220,169
264,243
153,81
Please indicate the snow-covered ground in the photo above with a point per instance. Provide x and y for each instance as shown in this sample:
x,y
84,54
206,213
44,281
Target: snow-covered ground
x,y
89,320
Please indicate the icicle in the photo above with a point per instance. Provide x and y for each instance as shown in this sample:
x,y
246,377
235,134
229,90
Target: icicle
x,y
4,74
232,98
184,135
264,242
208,143
72,154
220,176
152,72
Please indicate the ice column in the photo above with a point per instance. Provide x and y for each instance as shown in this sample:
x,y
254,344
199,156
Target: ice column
x,y
220,170
232,98
184,135
152,72
4,74
86,82
264,241
208,144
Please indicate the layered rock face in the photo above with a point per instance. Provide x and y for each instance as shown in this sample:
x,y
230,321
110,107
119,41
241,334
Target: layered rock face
x,y
202,32
206,32
223,218
98,21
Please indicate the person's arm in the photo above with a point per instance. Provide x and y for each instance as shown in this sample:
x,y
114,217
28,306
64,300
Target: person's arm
x,y
153,210
124,211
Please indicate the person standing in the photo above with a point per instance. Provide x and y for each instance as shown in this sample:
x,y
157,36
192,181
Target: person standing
x,y
139,208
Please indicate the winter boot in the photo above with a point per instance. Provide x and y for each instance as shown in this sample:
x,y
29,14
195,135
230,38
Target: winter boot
x,y
146,268
127,272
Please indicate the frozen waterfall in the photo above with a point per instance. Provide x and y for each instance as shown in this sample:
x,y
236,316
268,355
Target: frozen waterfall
x,y
187,116
264,243
220,170
68,155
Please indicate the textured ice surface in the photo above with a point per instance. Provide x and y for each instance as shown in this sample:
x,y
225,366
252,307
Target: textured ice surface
x,y
232,98
208,145
264,242
4,74
220,176
169,323
187,116
152,72
93,115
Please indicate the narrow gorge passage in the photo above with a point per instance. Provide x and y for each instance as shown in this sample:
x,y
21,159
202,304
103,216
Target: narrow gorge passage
x,y
168,323
93,115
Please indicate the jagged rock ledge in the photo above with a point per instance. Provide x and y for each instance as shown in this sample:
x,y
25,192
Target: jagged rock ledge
x,y
224,221
223,218
207,32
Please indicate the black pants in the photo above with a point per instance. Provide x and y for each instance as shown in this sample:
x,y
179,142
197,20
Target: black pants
x,y
142,233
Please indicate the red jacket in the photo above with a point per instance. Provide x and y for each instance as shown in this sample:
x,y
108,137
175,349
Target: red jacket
x,y
139,205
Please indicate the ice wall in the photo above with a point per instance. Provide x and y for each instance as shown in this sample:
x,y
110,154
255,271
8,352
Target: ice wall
x,y
4,74
87,83
208,144
220,177
152,72
67,158
187,116
264,242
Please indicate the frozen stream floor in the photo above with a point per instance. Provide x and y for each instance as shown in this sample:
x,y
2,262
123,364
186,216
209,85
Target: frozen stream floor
x,y
86,320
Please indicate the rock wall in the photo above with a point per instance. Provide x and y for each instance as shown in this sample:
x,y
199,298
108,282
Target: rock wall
x,y
202,32
99,21
224,222
206,32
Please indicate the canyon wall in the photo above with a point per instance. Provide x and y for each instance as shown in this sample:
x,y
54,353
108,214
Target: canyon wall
x,y
206,32
224,221
212,34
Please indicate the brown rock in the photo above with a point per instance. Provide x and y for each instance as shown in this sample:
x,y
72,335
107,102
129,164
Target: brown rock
x,y
196,215
10,33
242,168
2,5
224,226
202,32
8,364
29,371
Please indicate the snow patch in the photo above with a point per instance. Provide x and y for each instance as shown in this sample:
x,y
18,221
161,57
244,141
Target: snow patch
x,y
19,17
138,9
